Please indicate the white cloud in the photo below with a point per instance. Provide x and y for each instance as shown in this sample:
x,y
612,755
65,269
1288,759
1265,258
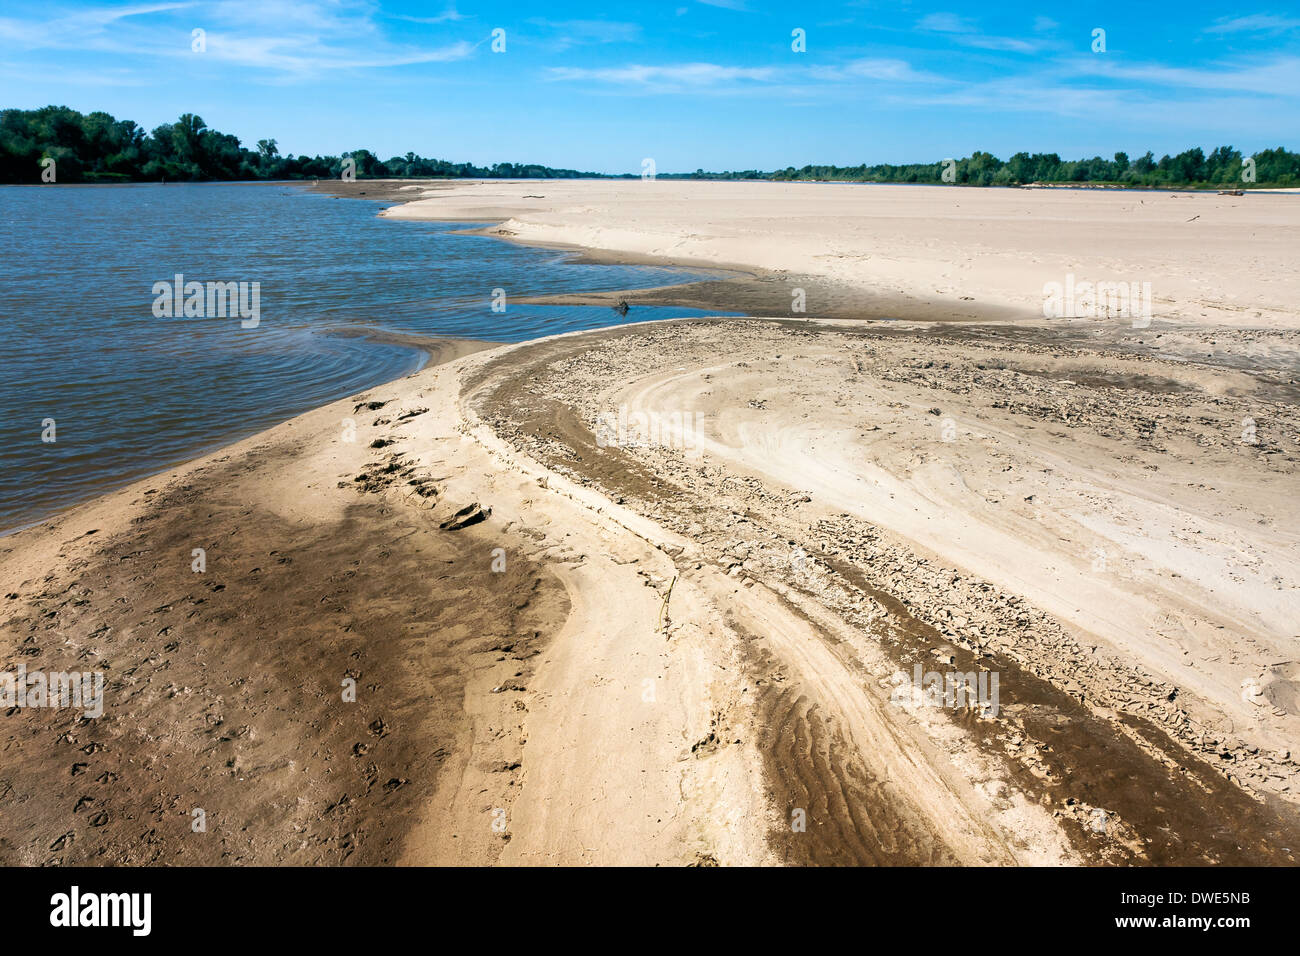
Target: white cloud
x,y
1006,44
963,31
786,80
1277,77
450,15
570,33
679,74
273,53
293,38
898,71
945,23
1255,23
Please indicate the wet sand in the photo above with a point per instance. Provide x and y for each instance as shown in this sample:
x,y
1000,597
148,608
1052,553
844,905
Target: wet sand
x,y
225,686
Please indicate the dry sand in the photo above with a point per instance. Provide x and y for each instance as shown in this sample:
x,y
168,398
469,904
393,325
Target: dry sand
x,y
677,650
920,251
1090,526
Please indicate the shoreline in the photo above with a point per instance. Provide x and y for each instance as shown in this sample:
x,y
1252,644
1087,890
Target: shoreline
x,y
433,350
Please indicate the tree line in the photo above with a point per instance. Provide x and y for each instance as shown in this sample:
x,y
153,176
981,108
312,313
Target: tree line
x,y
95,147
1225,167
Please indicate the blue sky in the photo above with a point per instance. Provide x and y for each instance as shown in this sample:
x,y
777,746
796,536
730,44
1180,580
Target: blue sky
x,y
691,83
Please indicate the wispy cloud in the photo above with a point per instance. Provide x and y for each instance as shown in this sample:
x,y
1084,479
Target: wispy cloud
x,y
1255,23
450,15
1160,94
945,23
71,30
1080,87
564,34
965,32
305,59
890,70
719,78
1276,77
294,39
672,75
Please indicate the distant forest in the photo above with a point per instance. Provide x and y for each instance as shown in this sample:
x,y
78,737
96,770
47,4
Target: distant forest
x,y
1191,168
97,148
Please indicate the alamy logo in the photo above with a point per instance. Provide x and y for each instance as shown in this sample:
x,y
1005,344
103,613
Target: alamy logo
x,y
103,909
977,691
643,429
81,690
1088,300
212,300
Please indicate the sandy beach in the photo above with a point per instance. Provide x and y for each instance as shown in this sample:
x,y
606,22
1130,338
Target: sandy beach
x,y
655,594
